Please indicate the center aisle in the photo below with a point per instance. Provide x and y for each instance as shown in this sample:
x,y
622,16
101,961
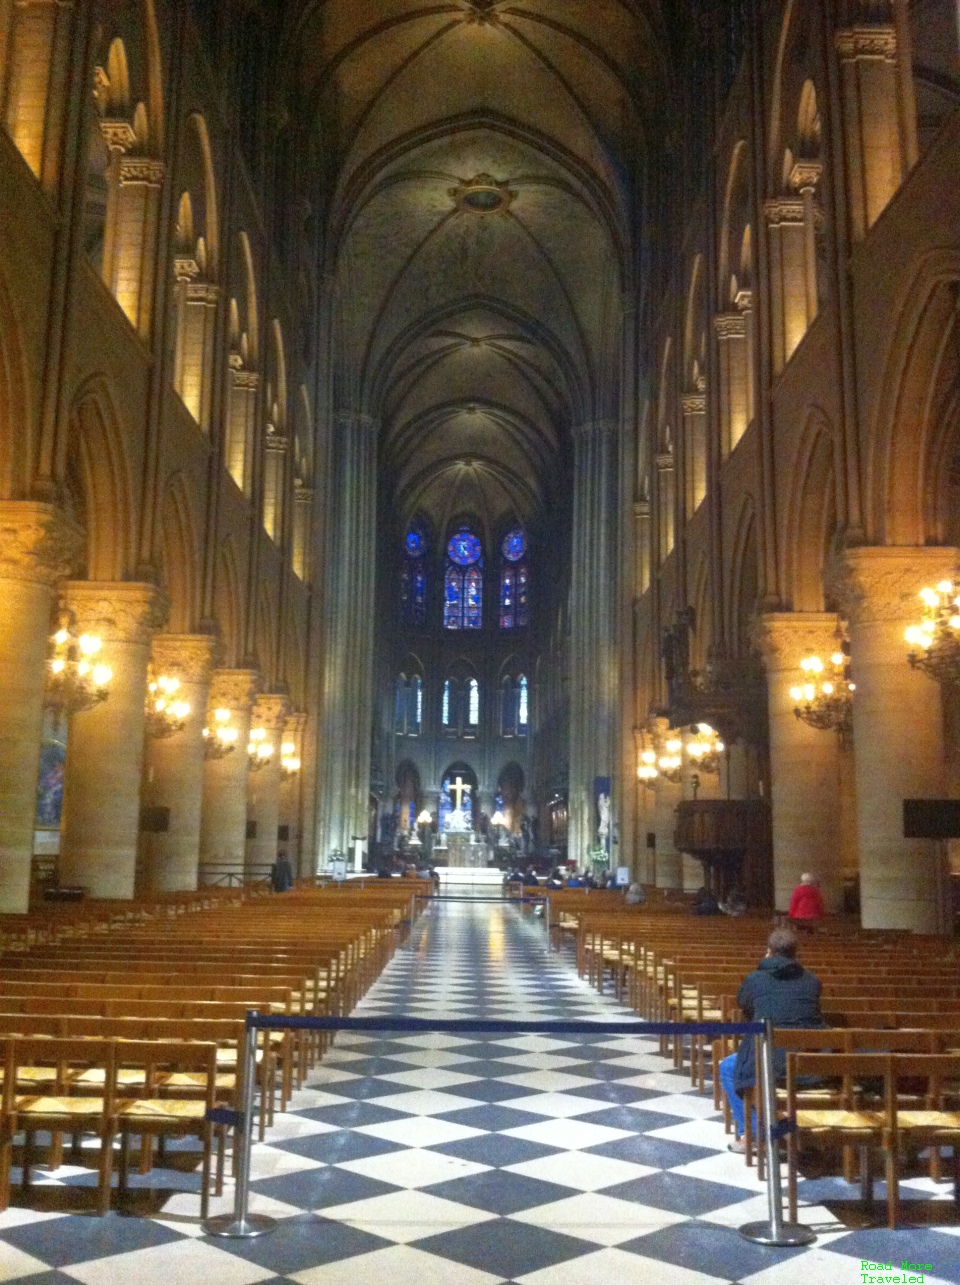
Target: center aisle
x,y
456,1160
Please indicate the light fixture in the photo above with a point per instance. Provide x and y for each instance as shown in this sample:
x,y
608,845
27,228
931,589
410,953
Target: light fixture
x,y
825,699
289,762
74,682
647,771
936,640
165,715
424,818
669,762
259,749
221,739
705,748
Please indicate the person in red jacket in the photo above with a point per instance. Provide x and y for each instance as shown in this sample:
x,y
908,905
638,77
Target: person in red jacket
x,y
806,904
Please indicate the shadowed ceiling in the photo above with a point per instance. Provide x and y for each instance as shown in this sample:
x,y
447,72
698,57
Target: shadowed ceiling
x,y
487,163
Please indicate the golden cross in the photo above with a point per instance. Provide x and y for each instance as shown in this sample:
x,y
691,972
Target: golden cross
x,y
459,789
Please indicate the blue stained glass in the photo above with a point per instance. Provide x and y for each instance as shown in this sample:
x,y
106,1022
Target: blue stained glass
x,y
522,597
514,545
507,581
473,599
464,549
415,544
524,708
453,600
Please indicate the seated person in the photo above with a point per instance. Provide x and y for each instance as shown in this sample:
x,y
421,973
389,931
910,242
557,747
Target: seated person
x,y
574,880
636,894
736,902
556,878
783,990
705,903
530,879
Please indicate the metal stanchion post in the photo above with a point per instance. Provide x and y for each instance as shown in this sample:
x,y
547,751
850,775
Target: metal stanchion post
x,y
241,1225
546,916
774,1231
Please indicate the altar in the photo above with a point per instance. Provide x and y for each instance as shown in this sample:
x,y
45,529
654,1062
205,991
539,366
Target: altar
x,y
461,853
477,881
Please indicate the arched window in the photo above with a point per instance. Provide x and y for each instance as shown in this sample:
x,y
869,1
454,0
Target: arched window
x,y
447,706
514,706
473,704
408,715
460,704
463,582
413,578
514,581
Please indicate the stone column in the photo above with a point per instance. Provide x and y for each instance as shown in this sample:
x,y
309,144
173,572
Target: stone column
x,y
34,92
644,546
804,762
101,796
669,863
173,773
263,794
897,733
788,272
666,503
347,678
241,423
732,351
695,449
293,733
594,682
196,304
139,181
804,178
223,819
37,546
871,120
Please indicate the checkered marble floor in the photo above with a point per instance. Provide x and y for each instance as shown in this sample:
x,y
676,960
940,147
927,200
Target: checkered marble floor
x,y
446,1160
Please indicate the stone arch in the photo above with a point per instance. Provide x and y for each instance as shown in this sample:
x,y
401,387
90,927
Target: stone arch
x,y
265,633
811,515
903,497
179,553
228,603
744,579
733,221
98,472
701,640
249,295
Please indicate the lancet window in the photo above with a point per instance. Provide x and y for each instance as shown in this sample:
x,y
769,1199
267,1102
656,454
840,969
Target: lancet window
x,y
408,719
514,581
514,706
463,582
413,578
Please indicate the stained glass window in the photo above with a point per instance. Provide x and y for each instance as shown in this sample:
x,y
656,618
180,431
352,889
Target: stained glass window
x,y
514,706
463,582
523,706
408,716
473,713
445,714
514,581
413,578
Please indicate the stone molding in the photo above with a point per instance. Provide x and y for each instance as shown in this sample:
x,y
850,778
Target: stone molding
x,y
783,638
185,268
875,42
276,442
117,134
783,211
730,325
664,461
302,494
118,612
189,657
38,543
805,174
294,727
202,292
694,404
881,584
245,379
744,301
234,689
270,711
141,169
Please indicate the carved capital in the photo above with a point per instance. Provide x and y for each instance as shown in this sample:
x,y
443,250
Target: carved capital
x,y
141,169
805,174
664,461
694,404
234,689
730,325
189,657
276,442
875,585
744,301
783,638
294,726
302,494
38,543
784,211
270,711
117,134
185,268
247,380
118,612
875,42
202,292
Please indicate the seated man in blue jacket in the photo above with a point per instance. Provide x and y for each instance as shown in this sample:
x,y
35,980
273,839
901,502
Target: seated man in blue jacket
x,y
783,990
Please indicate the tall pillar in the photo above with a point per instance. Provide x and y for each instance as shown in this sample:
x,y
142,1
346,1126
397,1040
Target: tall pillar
x,y
666,503
695,450
173,772
897,733
872,134
644,546
101,794
788,276
804,178
241,423
223,819
138,210
347,680
293,734
732,350
594,679
263,801
669,863
196,304
36,547
35,89
804,762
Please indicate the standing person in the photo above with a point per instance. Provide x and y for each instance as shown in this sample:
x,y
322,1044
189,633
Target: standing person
x,y
783,990
806,904
281,873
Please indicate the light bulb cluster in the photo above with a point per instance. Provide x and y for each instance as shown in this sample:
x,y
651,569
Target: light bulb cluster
x,y
75,681
289,760
166,715
935,641
220,739
703,749
824,699
259,749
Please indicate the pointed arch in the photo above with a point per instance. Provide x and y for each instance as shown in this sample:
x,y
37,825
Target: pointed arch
x,y
265,633
811,515
744,579
17,446
179,550
99,469
228,603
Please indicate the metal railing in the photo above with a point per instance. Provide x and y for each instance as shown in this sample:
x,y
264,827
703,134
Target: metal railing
x,y
242,1225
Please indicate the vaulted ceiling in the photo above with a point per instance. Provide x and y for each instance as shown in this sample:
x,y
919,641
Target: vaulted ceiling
x,y
487,163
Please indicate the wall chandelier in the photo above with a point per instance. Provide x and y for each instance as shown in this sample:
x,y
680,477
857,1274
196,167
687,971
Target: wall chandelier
x,y
165,714
74,682
259,749
666,758
936,640
221,739
825,699
705,748
289,762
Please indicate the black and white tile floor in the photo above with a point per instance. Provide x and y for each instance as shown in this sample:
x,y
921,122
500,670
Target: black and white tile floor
x,y
454,1160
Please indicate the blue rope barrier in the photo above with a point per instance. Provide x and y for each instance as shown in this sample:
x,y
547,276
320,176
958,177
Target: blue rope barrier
x,y
479,1026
